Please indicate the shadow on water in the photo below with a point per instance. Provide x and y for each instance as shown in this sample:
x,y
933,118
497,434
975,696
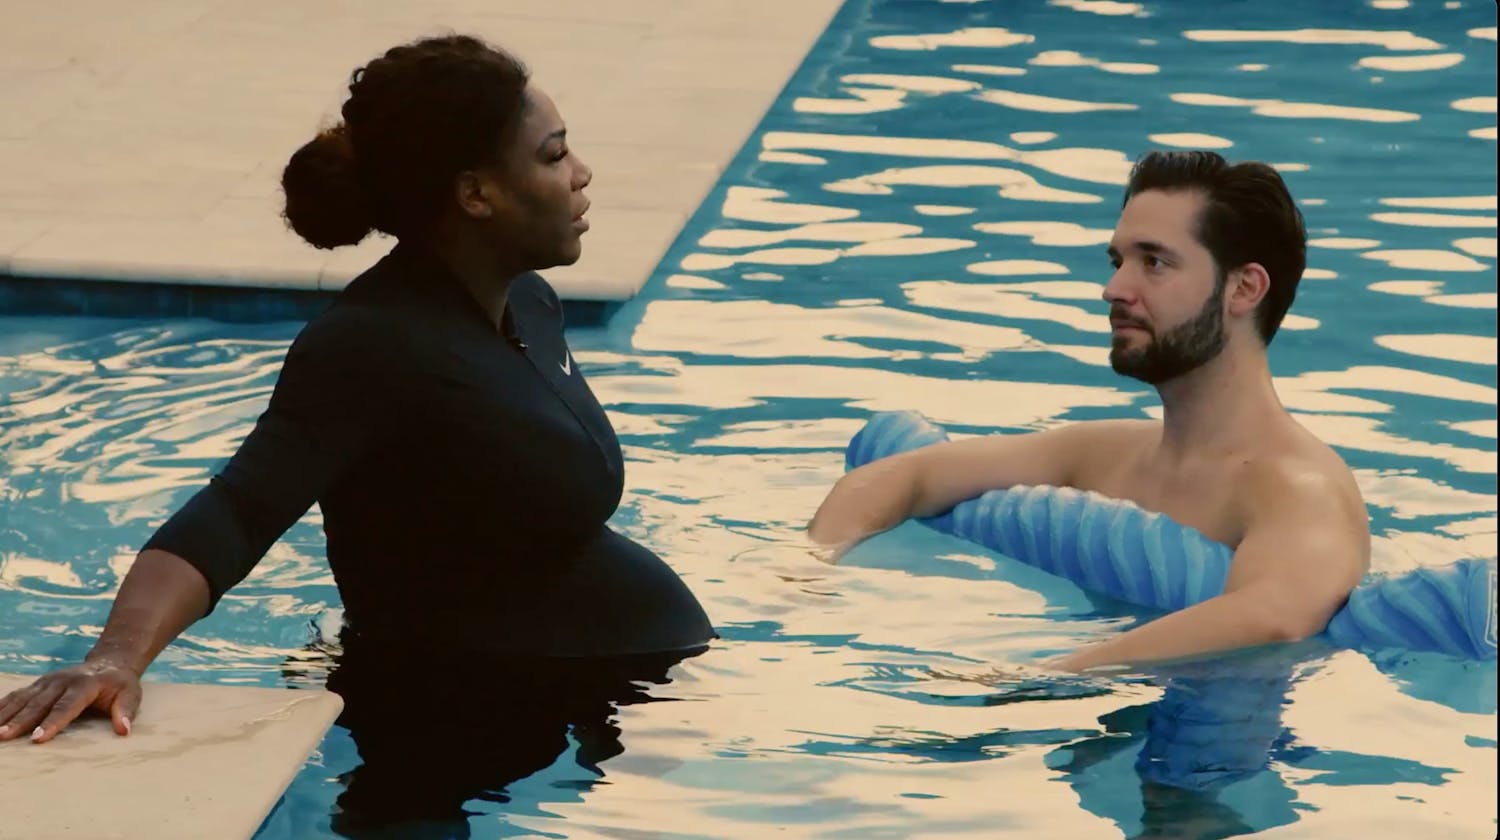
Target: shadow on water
x,y
439,744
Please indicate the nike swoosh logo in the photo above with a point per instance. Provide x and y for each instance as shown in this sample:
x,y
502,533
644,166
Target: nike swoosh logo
x,y
566,364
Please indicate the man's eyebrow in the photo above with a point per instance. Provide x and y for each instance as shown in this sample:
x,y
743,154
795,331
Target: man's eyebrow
x,y
1155,248
1145,246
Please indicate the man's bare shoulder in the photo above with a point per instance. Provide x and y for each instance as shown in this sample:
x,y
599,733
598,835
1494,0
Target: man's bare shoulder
x,y
1110,431
1097,450
1108,444
1305,473
1305,516
1078,435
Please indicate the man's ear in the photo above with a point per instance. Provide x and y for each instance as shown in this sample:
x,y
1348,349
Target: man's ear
x,y
474,194
1248,286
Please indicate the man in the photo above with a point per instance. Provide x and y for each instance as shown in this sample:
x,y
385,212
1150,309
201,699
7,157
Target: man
x,y
1207,258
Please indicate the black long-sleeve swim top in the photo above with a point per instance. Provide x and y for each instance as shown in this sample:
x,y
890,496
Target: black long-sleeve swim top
x,y
465,475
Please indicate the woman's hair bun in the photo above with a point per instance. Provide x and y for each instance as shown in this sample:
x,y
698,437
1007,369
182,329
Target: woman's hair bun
x,y
325,203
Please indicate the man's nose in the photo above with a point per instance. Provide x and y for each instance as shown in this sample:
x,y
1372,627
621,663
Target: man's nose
x,y
1117,289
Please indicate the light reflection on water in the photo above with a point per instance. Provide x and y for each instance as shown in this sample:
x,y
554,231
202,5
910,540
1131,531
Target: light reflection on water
x,y
918,225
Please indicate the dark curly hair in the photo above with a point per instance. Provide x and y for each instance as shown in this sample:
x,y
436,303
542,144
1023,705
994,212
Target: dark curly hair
x,y
415,117
1248,217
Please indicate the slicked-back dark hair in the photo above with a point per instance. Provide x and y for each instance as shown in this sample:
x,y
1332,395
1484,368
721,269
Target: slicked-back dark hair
x,y
1248,217
415,117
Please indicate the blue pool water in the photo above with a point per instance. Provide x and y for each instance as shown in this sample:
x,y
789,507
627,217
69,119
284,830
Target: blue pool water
x,y
918,223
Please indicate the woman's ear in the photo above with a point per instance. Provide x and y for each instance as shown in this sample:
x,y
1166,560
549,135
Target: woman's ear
x,y
472,192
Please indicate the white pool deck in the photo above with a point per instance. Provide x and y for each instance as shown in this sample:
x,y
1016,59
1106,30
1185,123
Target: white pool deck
x,y
201,761
145,141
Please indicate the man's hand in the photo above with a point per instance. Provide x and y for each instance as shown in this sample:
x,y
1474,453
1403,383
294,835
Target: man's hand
x,y
55,700
828,553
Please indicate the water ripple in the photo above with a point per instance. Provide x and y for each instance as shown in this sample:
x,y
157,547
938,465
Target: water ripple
x,y
1390,40
917,225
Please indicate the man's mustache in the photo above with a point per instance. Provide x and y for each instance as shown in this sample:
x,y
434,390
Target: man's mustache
x,y
1120,316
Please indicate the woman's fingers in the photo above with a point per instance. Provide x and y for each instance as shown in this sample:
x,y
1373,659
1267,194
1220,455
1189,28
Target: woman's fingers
x,y
68,706
35,709
127,703
11,705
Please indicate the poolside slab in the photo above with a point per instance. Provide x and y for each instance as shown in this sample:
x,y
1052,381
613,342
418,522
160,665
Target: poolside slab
x,y
201,761
148,146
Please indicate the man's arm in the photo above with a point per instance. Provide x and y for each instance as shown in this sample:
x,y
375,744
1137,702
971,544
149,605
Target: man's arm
x,y
929,481
1305,550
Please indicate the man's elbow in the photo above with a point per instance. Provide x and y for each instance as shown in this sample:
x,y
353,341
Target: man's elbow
x,y
1291,630
1297,622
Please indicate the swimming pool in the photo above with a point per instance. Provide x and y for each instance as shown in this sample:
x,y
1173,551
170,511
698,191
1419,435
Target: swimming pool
x,y
918,223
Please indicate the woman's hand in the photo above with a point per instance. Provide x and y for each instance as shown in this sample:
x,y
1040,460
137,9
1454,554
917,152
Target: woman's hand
x,y
160,597
55,700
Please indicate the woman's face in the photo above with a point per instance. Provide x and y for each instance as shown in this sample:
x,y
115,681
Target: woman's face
x,y
536,195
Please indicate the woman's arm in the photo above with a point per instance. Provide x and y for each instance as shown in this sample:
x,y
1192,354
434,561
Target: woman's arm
x,y
161,596
335,396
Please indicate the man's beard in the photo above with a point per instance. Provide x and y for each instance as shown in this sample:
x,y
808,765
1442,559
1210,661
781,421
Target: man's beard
x,y
1182,349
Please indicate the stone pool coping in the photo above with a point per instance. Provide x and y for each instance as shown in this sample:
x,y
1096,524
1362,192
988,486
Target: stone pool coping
x,y
141,152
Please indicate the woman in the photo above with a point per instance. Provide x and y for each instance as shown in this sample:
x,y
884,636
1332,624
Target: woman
x,y
464,469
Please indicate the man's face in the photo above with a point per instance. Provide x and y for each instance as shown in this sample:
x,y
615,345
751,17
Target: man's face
x,y
1166,296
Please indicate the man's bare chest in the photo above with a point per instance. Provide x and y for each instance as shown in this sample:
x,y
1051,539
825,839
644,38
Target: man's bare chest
x,y
1205,497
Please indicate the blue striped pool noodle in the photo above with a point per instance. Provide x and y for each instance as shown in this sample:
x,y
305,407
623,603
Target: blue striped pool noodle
x,y
1116,548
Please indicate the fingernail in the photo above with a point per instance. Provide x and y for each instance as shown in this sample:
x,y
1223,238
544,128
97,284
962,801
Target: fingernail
x,y
4,730
126,721
36,734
